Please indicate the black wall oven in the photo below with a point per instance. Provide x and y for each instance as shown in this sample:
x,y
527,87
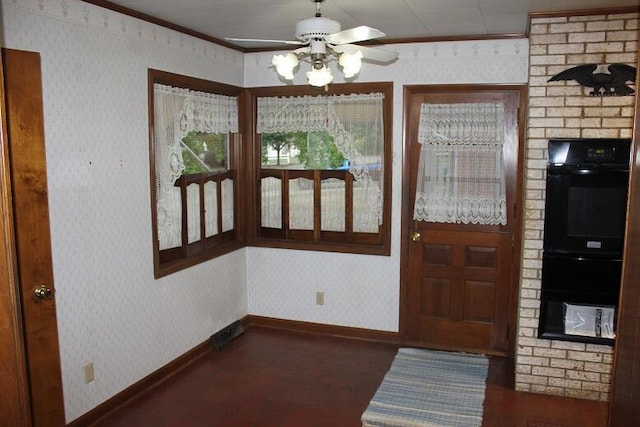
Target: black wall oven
x,y
584,226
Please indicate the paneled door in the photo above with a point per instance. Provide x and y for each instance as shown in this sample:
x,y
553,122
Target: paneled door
x,y
460,248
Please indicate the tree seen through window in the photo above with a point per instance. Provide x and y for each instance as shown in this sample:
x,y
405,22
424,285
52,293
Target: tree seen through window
x,y
204,152
301,150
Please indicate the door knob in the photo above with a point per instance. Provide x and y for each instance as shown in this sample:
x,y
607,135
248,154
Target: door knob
x,y
43,292
415,236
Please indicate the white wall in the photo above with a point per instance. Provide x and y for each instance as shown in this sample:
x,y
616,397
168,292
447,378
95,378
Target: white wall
x,y
360,290
111,311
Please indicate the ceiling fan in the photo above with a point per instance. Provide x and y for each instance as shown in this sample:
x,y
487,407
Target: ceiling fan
x,y
323,36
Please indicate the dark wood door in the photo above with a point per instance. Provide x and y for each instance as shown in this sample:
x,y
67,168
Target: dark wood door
x,y
461,279
14,398
25,136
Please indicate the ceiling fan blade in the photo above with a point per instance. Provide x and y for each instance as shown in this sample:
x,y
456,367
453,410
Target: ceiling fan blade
x,y
373,54
235,39
354,35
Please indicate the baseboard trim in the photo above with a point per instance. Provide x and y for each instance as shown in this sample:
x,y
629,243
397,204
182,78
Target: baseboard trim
x,y
322,329
156,378
144,385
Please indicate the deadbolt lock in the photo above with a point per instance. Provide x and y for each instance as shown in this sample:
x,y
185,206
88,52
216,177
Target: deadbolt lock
x,y
415,236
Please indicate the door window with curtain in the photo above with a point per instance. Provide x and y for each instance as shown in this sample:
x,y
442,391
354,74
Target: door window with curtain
x,y
194,174
461,166
322,168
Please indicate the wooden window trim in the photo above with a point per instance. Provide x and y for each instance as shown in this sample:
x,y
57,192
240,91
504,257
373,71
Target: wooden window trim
x,y
171,261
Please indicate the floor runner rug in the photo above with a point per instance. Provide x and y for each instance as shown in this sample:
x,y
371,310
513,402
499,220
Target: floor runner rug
x,y
429,388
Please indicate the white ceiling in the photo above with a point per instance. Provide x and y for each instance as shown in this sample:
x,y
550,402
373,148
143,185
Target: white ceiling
x,y
399,19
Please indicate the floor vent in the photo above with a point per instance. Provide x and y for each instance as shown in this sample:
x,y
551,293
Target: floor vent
x,y
222,338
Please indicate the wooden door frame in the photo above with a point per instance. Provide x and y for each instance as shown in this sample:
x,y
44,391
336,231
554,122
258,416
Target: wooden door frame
x,y
409,91
15,403
625,377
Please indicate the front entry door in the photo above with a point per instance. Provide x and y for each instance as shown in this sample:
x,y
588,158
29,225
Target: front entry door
x,y
460,281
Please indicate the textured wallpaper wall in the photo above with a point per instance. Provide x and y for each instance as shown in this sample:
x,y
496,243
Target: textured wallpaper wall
x,y
360,290
110,309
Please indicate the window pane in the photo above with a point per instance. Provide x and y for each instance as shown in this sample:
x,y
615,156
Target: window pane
x,y
333,205
301,204
364,219
170,225
320,152
211,208
193,212
271,203
300,151
281,150
227,205
205,152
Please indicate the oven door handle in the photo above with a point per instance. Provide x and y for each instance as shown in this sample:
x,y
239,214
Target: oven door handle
x,y
583,170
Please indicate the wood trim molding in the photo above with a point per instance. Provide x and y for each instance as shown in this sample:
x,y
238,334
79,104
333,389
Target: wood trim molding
x,y
141,387
321,329
161,22
585,12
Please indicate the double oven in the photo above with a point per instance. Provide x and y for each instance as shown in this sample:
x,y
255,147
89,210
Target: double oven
x,y
584,228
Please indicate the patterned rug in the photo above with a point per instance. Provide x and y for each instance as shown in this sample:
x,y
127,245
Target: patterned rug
x,y
429,388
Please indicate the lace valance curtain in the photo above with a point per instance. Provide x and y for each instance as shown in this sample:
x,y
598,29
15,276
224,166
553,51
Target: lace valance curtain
x,y
178,111
354,121
461,165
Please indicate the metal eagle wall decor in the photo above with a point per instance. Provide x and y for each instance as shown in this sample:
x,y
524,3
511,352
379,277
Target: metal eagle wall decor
x,y
603,84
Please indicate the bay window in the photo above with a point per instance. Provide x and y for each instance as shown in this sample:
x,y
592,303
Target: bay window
x,y
314,172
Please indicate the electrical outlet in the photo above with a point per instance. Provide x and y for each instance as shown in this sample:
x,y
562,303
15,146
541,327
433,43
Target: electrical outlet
x,y
88,373
319,298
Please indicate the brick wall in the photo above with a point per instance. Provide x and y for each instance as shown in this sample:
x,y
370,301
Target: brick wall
x,y
564,109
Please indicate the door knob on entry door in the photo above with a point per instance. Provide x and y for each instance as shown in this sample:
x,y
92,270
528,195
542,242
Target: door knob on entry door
x,y
416,236
43,292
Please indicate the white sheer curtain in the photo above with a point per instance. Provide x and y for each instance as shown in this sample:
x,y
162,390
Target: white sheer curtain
x,y
356,124
178,111
461,167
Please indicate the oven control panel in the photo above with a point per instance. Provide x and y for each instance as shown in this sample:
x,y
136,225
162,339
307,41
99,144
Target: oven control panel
x,y
584,151
600,154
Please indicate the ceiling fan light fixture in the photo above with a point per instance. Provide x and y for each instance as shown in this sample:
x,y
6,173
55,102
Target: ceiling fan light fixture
x,y
285,64
320,38
350,63
319,77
